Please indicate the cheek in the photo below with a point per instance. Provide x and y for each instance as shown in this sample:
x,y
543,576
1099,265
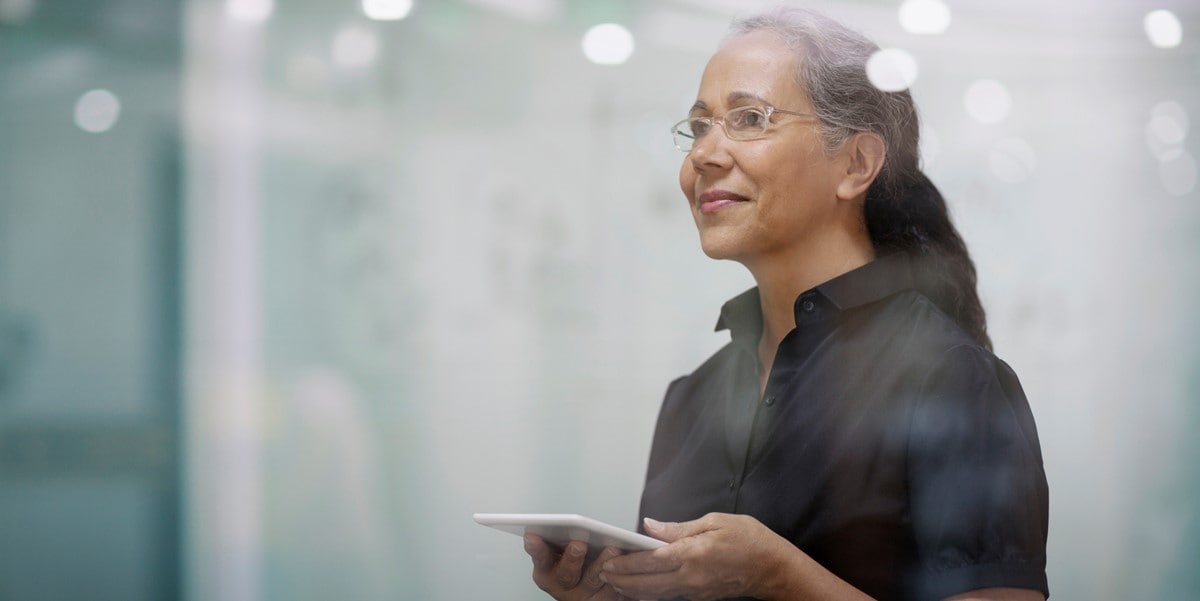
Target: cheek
x,y
687,180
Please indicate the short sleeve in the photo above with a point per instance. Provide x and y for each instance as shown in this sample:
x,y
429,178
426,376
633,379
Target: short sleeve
x,y
977,487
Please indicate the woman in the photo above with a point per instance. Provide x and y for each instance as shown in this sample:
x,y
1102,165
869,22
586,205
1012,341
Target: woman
x,y
856,438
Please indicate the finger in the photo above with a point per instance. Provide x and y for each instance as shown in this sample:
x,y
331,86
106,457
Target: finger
x,y
647,586
591,576
539,552
569,568
673,531
664,559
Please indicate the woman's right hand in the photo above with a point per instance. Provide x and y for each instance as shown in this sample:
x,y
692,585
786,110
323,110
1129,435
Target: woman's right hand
x,y
564,575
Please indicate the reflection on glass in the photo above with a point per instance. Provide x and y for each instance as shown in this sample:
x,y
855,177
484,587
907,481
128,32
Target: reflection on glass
x,y
97,111
892,69
249,11
387,10
355,46
924,17
608,44
1163,29
987,101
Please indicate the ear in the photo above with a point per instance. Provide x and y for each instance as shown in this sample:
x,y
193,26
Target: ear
x,y
864,154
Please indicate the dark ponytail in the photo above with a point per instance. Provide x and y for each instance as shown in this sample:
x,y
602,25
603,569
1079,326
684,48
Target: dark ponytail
x,y
904,210
912,218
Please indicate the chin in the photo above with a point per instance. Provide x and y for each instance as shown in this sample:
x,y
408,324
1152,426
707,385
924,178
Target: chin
x,y
720,247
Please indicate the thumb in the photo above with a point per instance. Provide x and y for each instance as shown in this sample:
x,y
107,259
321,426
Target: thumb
x,y
671,531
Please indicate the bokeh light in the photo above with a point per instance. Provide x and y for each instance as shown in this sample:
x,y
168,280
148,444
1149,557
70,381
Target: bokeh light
x,y
16,12
987,101
249,11
1170,121
355,46
608,44
387,10
1012,160
1163,28
1178,175
1167,129
97,111
892,69
924,17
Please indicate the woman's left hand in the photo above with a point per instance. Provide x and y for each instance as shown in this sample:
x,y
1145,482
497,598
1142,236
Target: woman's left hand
x,y
717,556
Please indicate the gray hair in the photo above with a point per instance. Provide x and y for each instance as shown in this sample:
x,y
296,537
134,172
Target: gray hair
x,y
903,210
832,61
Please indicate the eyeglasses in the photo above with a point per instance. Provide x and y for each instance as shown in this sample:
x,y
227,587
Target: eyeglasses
x,y
742,123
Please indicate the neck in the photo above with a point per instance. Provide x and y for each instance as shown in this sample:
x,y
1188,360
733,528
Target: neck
x,y
781,279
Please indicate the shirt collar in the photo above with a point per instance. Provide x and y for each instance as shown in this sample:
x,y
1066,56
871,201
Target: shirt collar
x,y
742,313
876,280
881,278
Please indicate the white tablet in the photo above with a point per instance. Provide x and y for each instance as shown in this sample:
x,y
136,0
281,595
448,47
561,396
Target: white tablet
x,y
562,528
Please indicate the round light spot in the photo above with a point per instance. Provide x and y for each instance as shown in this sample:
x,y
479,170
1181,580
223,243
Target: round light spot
x,y
987,101
249,11
387,10
1159,149
1012,160
97,111
1166,130
608,44
924,17
1163,28
1178,175
16,12
355,46
1169,122
892,69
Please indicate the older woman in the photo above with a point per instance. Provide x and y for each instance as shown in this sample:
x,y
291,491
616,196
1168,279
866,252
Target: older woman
x,y
856,438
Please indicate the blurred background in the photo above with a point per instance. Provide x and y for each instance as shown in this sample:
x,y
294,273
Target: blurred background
x,y
288,290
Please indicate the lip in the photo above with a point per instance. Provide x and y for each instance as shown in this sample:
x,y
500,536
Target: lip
x,y
715,200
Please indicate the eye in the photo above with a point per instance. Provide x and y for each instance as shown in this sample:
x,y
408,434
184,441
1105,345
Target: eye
x,y
748,119
699,126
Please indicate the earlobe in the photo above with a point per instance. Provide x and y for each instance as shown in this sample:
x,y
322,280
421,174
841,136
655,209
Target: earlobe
x,y
865,154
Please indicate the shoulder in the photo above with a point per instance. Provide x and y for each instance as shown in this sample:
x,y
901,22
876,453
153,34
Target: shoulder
x,y
978,497
967,378
905,337
722,365
717,371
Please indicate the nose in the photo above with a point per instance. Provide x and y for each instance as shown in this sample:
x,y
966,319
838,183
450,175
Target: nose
x,y
711,150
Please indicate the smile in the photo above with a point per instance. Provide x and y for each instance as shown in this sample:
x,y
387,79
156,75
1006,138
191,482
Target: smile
x,y
715,200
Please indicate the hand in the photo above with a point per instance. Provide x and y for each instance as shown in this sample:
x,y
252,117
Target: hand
x,y
563,575
715,557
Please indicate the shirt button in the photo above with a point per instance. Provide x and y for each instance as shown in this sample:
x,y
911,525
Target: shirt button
x,y
769,401
807,306
732,484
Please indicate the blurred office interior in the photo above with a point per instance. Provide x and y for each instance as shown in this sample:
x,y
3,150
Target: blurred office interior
x,y
288,290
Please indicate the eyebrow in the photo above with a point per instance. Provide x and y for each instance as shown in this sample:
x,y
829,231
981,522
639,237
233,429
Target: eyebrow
x,y
731,99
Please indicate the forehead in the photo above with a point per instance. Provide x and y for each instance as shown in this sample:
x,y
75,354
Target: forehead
x,y
757,64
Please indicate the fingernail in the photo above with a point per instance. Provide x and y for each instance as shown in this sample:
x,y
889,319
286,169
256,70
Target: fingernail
x,y
603,578
652,523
